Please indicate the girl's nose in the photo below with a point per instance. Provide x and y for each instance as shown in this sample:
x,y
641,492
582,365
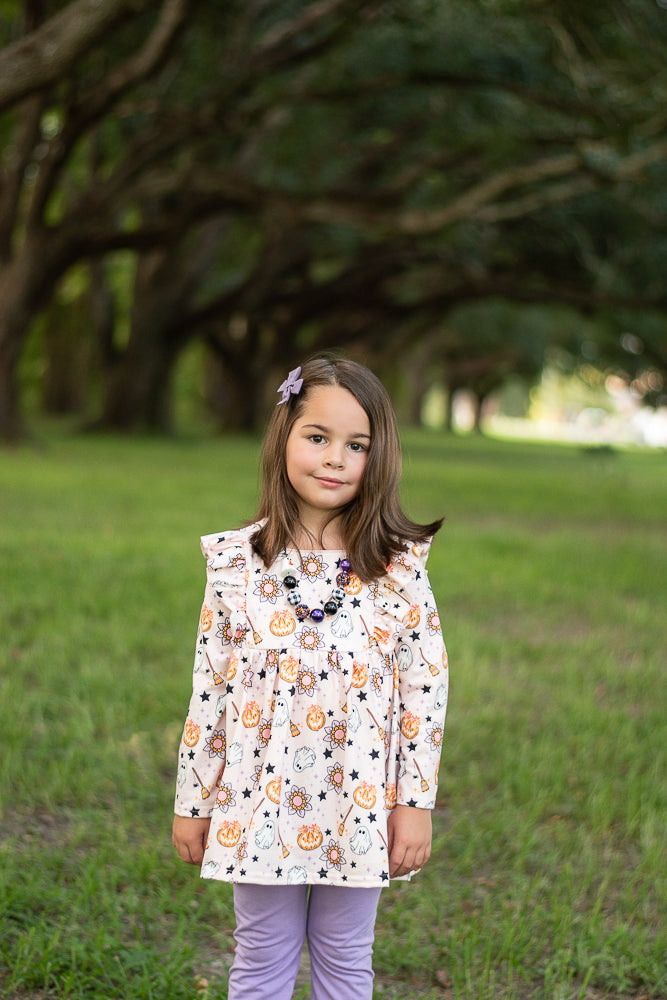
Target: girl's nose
x,y
334,457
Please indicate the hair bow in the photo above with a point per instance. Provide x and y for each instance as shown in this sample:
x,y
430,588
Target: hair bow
x,y
291,385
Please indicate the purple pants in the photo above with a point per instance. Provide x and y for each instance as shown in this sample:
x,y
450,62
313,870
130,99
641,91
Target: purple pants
x,y
271,924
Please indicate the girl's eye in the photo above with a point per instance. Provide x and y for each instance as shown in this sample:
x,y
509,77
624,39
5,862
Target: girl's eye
x,y
357,446
317,438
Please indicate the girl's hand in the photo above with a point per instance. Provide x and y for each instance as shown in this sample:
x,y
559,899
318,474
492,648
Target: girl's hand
x,y
409,831
189,837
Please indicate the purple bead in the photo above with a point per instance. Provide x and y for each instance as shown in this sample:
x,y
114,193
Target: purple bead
x,y
317,614
346,565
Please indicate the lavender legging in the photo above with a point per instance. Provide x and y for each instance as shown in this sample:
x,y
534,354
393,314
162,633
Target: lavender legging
x,y
271,924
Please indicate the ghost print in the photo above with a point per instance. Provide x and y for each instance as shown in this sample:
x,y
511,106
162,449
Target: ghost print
x,y
266,835
341,625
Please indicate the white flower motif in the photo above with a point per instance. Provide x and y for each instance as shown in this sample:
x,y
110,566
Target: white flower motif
x,y
269,588
314,567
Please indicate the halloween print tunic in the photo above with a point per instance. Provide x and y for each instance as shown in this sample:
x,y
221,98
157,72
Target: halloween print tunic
x,y
302,736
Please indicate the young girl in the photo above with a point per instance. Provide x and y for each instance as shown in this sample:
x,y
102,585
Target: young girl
x,y
309,760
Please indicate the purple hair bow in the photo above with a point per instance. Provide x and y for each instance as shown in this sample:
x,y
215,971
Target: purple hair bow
x,y
291,385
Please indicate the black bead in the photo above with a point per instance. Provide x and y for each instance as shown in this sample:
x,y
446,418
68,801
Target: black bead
x,y
290,582
330,608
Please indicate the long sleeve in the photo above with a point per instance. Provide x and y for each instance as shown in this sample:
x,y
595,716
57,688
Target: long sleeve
x,y
203,748
423,681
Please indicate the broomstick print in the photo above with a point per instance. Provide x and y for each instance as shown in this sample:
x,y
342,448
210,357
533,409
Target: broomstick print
x,y
282,844
218,678
252,818
431,666
341,825
204,790
381,732
257,636
425,785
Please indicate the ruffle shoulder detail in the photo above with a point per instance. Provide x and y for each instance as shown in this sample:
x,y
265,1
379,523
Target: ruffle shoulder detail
x,y
227,556
403,588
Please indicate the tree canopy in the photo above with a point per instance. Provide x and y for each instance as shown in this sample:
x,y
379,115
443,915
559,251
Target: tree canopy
x,y
338,173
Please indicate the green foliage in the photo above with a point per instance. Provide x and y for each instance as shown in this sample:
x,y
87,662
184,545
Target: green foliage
x,y
547,877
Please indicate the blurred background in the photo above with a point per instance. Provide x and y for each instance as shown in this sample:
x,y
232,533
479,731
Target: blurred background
x,y
470,197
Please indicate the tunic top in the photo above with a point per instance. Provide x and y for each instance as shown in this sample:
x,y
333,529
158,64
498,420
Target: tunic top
x,y
302,736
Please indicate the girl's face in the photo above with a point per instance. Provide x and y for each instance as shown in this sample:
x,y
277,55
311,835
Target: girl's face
x,y
326,453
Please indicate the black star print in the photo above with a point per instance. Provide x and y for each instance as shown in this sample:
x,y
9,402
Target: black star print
x,y
267,813
327,833
375,754
204,639
418,575
205,696
356,603
357,820
242,872
270,768
354,776
362,696
415,636
322,796
412,803
229,689
385,877
328,581
372,817
256,753
279,872
323,873
412,746
330,713
246,793
255,858
346,795
262,674
209,728
191,755
230,869
194,812
328,754
323,675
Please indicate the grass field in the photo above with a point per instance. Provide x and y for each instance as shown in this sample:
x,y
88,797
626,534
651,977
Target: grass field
x,y
548,873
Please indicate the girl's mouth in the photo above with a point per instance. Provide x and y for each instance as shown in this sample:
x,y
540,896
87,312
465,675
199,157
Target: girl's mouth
x,y
326,481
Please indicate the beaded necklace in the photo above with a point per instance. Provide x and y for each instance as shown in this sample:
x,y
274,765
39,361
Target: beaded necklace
x,y
330,607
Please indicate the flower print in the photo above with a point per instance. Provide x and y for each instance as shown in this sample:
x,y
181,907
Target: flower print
x,y
225,631
434,737
433,621
271,661
313,568
216,743
264,732
333,854
237,561
269,588
298,801
335,777
305,682
309,638
226,797
336,734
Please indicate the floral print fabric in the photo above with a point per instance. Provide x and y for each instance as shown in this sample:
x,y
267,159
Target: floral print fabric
x,y
302,736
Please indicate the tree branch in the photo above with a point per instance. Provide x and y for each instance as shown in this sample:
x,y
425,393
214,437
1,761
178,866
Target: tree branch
x,y
43,56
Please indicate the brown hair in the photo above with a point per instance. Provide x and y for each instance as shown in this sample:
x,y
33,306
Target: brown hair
x,y
374,527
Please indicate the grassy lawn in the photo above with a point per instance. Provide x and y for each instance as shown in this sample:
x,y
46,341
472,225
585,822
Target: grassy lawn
x,y
548,876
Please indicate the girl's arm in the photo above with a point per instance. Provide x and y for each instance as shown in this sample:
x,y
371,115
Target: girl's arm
x,y
409,830
189,838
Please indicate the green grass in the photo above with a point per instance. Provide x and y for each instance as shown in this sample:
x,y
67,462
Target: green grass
x,y
547,878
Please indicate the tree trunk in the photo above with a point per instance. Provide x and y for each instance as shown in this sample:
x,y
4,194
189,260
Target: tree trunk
x,y
25,282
